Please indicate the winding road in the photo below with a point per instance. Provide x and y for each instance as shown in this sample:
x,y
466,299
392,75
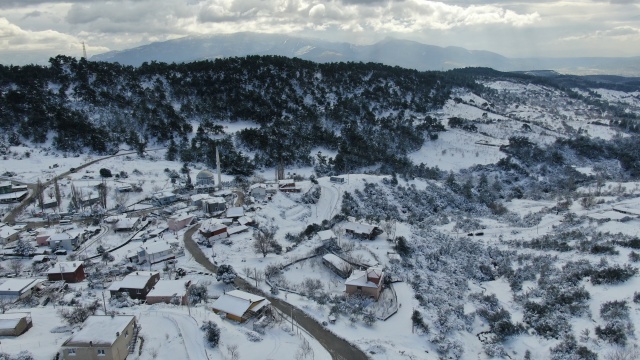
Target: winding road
x,y
339,348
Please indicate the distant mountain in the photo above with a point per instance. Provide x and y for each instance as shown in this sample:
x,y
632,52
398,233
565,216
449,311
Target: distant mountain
x,y
394,52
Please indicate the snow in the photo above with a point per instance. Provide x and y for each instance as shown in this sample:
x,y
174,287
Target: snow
x,y
361,278
165,288
100,330
235,212
18,285
64,267
136,280
237,302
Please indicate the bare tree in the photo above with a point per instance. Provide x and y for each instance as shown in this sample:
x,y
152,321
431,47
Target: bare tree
x,y
232,350
15,265
121,199
305,351
5,303
38,194
102,193
264,239
628,353
56,189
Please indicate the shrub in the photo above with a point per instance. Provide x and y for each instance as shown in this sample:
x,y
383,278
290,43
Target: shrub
x,y
226,274
614,310
211,333
569,349
105,173
197,293
79,313
636,297
634,256
613,333
402,247
612,275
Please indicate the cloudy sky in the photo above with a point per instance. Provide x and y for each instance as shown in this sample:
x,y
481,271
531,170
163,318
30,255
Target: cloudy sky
x,y
31,31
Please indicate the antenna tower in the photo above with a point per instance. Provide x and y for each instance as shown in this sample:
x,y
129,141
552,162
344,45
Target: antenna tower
x,y
84,51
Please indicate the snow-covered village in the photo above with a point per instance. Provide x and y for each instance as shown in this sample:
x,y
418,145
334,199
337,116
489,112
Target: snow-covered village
x,y
499,236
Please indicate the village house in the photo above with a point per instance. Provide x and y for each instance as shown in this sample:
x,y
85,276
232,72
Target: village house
x,y
198,199
235,212
288,185
15,324
165,291
104,337
15,289
239,305
327,236
68,271
137,284
163,198
179,221
365,282
214,205
155,252
126,224
8,234
67,240
337,265
361,231
212,230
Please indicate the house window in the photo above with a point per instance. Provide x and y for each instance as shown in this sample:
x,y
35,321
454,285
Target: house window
x,y
126,333
359,287
71,352
101,352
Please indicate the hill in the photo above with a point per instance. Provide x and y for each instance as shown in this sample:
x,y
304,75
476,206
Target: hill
x,y
393,52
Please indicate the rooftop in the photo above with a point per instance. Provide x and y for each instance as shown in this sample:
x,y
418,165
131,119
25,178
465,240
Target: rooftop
x,y
100,330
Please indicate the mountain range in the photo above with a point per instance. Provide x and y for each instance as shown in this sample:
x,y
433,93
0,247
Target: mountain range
x,y
394,52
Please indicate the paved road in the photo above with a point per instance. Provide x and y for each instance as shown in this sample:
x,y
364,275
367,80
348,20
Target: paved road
x,y
339,348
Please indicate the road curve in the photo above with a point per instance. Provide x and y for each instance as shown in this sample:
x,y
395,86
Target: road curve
x,y
339,348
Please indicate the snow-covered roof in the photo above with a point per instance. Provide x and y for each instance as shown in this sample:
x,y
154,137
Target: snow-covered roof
x,y
237,302
326,235
158,231
7,231
359,228
163,195
126,223
198,197
135,280
5,183
257,186
60,237
337,262
12,195
65,267
168,288
10,321
237,211
236,229
213,227
244,220
286,182
155,247
204,174
19,285
361,278
181,217
100,330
